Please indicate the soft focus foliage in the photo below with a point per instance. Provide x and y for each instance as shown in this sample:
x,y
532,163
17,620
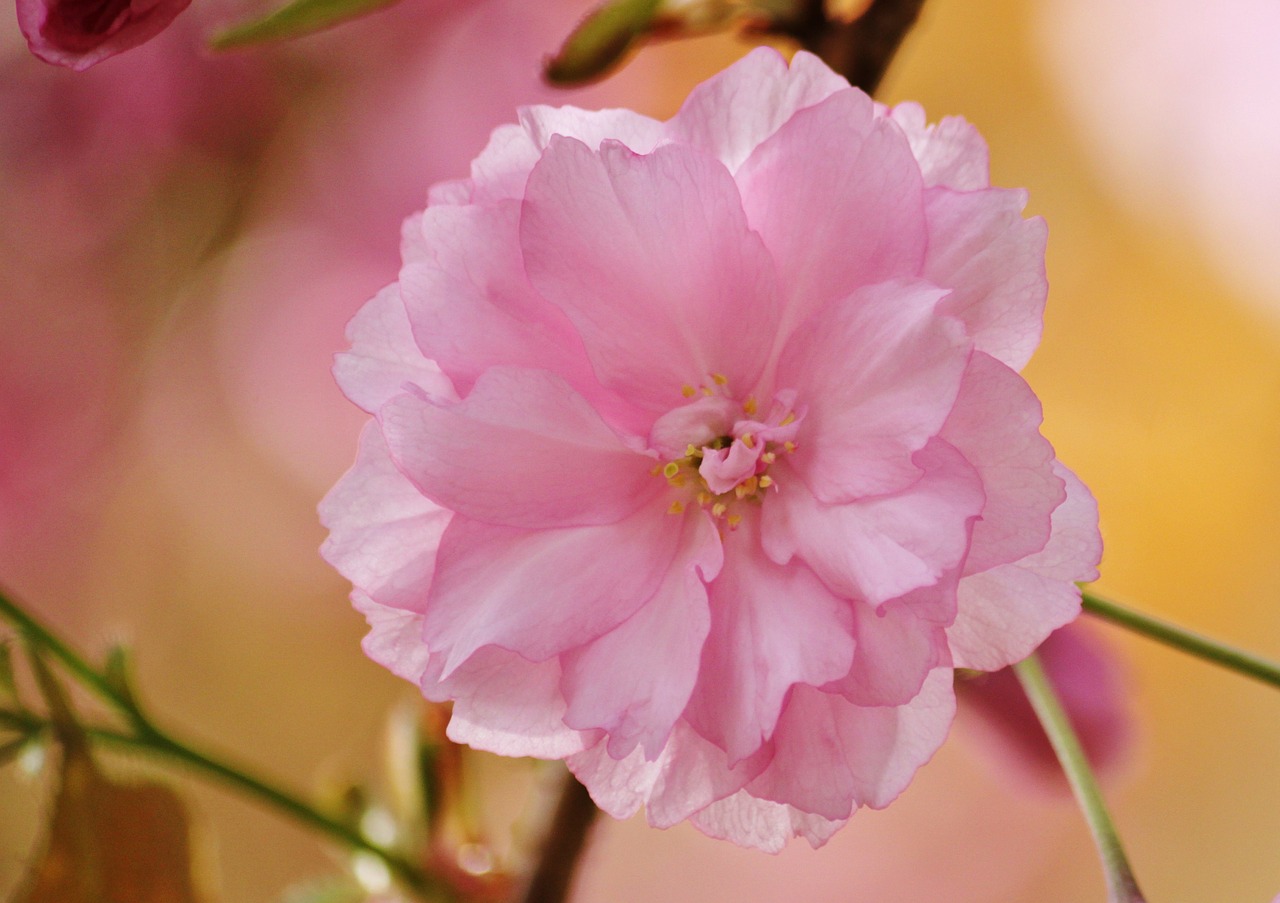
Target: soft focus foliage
x,y
668,482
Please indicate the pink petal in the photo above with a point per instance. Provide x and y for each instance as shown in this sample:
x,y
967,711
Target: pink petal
x,y
543,592
384,358
832,756
996,426
751,822
635,681
951,153
688,775
731,113
882,547
394,639
652,260
894,652
503,167
507,705
523,449
879,371
383,531
1003,614
771,627
993,260
836,195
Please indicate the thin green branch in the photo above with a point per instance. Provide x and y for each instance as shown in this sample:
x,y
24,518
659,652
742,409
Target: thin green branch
x,y
1122,887
1238,660
150,739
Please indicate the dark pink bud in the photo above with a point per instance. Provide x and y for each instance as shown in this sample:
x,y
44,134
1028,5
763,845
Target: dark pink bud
x,y
79,33
1091,684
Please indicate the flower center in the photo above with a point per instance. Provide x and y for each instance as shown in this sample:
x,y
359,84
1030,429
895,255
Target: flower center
x,y
731,468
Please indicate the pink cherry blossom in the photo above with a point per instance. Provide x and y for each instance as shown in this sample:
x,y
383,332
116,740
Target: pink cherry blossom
x,y
700,456
79,33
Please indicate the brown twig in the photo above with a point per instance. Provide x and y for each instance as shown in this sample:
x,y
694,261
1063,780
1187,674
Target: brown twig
x,y
860,50
562,848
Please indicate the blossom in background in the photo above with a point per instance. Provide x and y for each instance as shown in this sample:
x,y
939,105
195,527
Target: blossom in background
x,y
700,457
80,33
1092,687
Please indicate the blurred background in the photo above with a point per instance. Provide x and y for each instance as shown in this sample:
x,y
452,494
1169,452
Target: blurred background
x,y
184,237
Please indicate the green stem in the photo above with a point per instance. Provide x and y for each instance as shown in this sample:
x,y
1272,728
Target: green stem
x,y
151,739
1122,887
1237,660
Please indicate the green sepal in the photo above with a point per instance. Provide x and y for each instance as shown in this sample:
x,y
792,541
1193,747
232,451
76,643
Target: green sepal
x,y
601,41
293,20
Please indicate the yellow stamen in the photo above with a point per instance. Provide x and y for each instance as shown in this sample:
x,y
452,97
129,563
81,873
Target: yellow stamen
x,y
769,457
748,440
734,520
671,470
746,487
677,507
705,498
718,509
706,391
789,446
655,470
790,418
766,481
692,451
720,379
688,391
749,406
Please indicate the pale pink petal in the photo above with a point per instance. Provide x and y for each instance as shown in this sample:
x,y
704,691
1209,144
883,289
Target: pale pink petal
x,y
696,423
688,775
879,371
993,260
652,260
522,449
635,681
384,358
832,756
894,652
761,612
1003,614
503,167
951,153
383,531
507,705
731,113
996,426
543,592
394,639
881,547
837,197
764,825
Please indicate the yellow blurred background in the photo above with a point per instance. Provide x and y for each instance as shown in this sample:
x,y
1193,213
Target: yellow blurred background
x,y
189,528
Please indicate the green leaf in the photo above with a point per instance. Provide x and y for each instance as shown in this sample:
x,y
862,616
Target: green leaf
x,y
294,20
601,41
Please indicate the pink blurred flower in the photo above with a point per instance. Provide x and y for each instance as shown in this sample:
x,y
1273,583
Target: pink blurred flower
x,y
700,455
1092,687
80,33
